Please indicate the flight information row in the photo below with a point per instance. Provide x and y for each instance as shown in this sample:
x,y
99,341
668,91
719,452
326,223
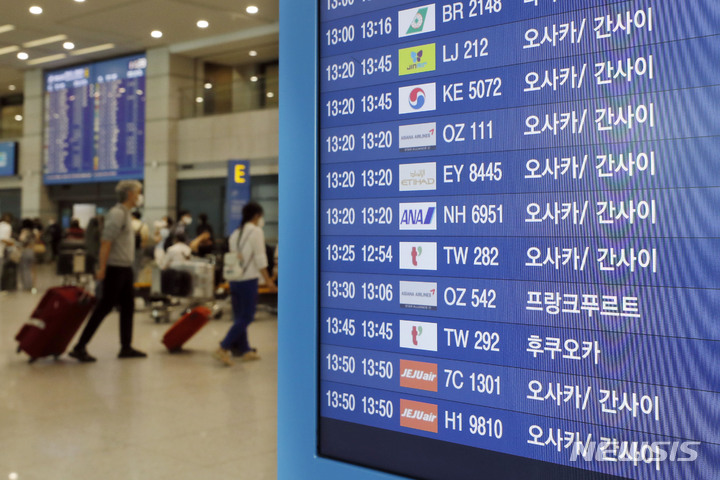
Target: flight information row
x,y
595,447
640,213
638,407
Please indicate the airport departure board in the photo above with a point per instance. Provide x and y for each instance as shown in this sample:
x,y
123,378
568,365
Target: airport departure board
x,y
520,238
95,122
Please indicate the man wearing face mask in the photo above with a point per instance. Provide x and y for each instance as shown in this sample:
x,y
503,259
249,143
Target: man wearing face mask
x,y
115,269
181,227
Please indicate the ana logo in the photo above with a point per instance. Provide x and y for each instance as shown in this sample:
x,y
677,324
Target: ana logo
x,y
418,335
417,177
417,98
418,256
416,59
418,295
419,416
419,375
418,216
416,20
415,138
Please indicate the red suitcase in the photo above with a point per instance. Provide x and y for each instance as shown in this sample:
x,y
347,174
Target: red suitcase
x,y
187,326
54,322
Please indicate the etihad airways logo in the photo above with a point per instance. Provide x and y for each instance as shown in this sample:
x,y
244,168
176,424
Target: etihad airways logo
x,y
417,98
418,216
417,177
416,20
421,136
418,335
418,415
419,375
418,255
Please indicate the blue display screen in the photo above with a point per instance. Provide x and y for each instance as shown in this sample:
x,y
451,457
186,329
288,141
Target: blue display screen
x,y
95,122
519,238
8,159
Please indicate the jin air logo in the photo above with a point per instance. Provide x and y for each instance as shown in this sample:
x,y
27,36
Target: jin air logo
x,y
416,59
414,21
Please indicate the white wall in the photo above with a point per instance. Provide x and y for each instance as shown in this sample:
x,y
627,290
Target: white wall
x,y
205,144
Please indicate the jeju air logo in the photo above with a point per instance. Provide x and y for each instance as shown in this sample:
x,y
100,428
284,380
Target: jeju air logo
x,y
419,375
419,416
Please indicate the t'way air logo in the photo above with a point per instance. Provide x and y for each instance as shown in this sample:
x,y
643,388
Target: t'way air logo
x,y
419,375
416,59
420,416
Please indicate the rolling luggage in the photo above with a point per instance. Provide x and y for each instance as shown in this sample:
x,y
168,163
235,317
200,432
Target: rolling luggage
x,y
54,322
187,326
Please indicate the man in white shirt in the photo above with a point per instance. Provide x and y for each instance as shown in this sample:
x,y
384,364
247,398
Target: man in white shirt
x,y
6,239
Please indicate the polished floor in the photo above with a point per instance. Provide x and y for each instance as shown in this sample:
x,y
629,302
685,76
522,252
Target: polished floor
x,y
167,417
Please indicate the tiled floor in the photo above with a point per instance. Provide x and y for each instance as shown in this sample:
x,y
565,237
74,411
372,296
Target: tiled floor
x,y
167,417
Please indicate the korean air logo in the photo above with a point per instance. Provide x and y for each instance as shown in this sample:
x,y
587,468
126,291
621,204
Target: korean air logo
x,y
418,256
418,295
417,98
418,335
419,416
416,177
418,216
414,21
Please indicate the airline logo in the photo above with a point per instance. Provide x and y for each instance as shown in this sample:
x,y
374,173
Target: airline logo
x,y
421,136
418,216
416,177
418,295
417,98
3,159
418,335
419,375
419,416
418,256
416,20
416,59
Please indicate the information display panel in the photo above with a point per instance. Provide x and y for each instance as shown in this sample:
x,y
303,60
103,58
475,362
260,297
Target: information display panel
x,y
518,237
8,159
95,122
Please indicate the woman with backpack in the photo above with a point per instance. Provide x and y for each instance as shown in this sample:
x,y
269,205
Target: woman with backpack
x,y
247,244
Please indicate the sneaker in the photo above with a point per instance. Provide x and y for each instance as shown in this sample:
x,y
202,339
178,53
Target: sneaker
x,y
223,356
81,355
250,355
129,352
236,352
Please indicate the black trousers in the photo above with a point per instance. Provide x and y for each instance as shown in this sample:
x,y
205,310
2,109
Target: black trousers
x,y
117,291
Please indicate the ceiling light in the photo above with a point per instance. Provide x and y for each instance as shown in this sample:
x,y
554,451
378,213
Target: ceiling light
x,y
10,49
35,10
44,41
203,24
23,56
7,28
96,48
18,118
49,58
252,9
156,34
270,94
199,100
68,45
80,1
254,78
12,88
208,86
252,53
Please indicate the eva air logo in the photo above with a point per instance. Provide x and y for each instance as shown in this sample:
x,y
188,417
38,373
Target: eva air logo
x,y
416,20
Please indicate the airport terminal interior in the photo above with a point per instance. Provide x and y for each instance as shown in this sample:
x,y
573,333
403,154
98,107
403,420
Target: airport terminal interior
x,y
197,87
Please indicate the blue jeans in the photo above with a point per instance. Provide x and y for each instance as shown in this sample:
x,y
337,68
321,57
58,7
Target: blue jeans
x,y
244,302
